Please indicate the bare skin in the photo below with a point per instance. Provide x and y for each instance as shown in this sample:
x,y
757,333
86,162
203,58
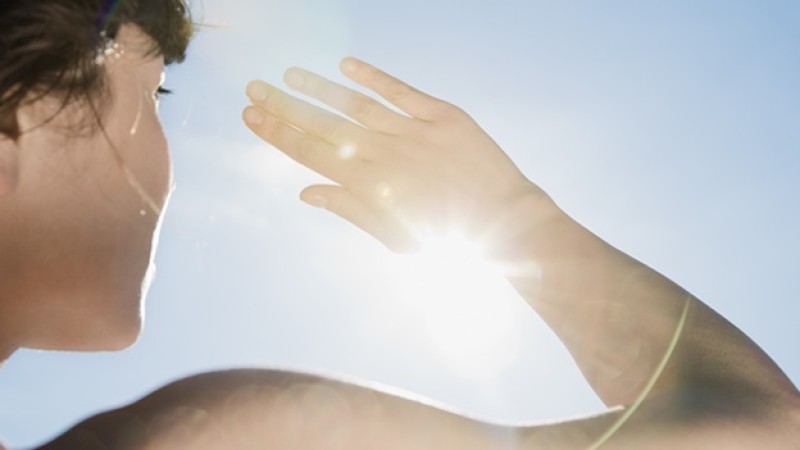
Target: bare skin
x,y
80,209
683,375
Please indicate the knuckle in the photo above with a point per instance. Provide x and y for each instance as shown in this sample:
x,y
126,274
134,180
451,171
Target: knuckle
x,y
397,91
271,127
362,108
448,112
351,171
313,86
275,104
323,126
305,151
369,75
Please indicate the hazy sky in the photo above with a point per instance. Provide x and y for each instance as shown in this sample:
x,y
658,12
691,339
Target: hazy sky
x,y
670,129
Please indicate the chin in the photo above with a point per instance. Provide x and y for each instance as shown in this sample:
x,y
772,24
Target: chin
x,y
120,328
110,341
110,323
110,336
121,335
118,317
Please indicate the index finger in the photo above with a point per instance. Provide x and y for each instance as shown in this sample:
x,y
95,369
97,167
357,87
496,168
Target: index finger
x,y
409,99
368,112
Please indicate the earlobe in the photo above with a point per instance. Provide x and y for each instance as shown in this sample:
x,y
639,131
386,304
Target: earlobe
x,y
9,165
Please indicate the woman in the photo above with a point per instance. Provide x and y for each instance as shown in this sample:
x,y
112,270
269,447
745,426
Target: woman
x,y
84,168
84,178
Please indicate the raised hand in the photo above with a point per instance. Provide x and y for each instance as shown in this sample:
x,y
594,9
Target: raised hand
x,y
397,175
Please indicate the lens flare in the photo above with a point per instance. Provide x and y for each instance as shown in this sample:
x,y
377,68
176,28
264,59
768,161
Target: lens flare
x,y
346,152
109,8
465,303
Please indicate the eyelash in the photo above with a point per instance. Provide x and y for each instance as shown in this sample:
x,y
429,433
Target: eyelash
x,y
162,91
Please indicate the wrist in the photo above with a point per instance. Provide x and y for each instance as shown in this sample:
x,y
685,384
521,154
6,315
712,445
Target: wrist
x,y
523,221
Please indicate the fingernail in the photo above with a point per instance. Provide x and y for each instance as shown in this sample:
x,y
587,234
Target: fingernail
x,y
256,91
294,79
253,116
349,65
316,200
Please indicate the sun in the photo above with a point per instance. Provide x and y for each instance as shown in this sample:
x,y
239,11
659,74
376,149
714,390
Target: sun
x,y
466,305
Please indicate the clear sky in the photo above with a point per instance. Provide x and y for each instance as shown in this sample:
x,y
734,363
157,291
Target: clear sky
x,y
670,129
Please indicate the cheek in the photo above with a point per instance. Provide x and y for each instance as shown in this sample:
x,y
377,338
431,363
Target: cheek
x,y
149,161
142,146
158,150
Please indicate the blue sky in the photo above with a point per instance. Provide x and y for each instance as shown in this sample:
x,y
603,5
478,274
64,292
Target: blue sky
x,y
667,128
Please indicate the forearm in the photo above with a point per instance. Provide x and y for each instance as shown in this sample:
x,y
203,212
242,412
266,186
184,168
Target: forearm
x,y
617,316
432,166
661,423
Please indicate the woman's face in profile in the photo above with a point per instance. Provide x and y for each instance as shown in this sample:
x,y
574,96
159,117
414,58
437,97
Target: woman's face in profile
x,y
79,231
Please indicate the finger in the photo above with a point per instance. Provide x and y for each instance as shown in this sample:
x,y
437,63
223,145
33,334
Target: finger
x,y
414,102
374,221
308,150
303,115
355,105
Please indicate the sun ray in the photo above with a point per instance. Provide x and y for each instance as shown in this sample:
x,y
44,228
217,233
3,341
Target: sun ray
x,y
465,304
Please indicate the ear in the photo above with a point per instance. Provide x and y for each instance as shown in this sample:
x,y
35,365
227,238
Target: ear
x,y
9,165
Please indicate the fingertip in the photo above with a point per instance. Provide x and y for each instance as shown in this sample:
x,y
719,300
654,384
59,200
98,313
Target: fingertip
x,y
349,65
313,199
252,116
256,90
294,78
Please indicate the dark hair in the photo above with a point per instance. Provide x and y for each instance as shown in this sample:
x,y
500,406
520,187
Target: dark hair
x,y
51,46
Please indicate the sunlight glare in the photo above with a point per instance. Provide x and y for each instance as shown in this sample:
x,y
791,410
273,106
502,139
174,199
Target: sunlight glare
x,y
465,303
346,152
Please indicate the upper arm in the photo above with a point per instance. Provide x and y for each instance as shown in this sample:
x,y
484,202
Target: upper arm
x,y
281,408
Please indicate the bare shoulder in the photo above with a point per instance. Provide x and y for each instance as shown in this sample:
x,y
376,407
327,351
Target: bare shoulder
x,y
199,405
254,408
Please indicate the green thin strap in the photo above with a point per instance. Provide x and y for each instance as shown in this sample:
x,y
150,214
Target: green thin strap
x,y
650,384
